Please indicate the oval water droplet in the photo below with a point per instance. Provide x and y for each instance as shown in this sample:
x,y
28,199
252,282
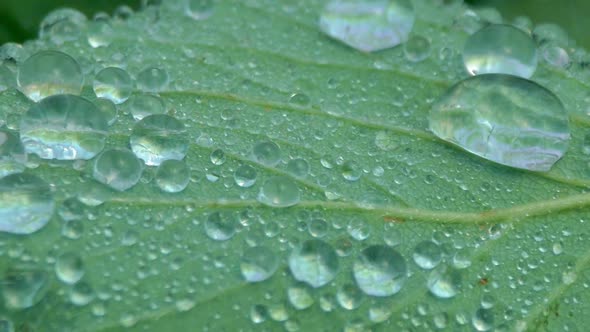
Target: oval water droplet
x,y
298,167
258,264
279,191
199,9
157,138
152,79
483,319
117,168
444,282
314,262
505,119
267,153
114,84
69,268
23,287
142,105
380,271
172,176
245,176
220,227
299,296
349,297
427,254
417,48
61,25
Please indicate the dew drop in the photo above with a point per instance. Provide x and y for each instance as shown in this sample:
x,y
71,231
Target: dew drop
x,y
258,264
245,176
300,167
12,153
314,262
172,176
379,271
143,105
368,25
267,153
217,157
300,99
379,313
199,9
417,48
317,227
505,119
69,268
152,79
349,297
117,168
81,294
556,56
279,191
157,138
300,297
351,171
444,282
22,288
427,254
258,314
220,227
483,319
114,84
99,33
48,73
500,49
61,25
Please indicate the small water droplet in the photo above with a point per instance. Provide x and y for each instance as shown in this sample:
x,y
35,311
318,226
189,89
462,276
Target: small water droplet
x,y
117,168
114,84
279,191
69,268
81,294
300,296
157,138
317,227
12,153
314,262
108,109
300,167
417,48
23,287
427,254
349,297
379,313
300,99
99,33
245,176
258,264
444,282
379,271
258,314
61,25
152,79
556,56
199,9
267,153
142,105
217,157
351,171
172,176
483,319
220,227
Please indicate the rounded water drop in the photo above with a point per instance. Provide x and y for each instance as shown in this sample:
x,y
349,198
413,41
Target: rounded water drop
x,y
245,176
379,313
556,56
417,48
157,138
351,171
99,33
48,73
143,105
217,157
220,227
172,176
258,264
349,297
314,262
279,191
108,109
258,314
152,79
69,268
199,9
317,227
368,25
500,49
300,296
299,99
267,153
64,127
505,119
298,167
81,294
26,204
444,282
12,153
483,320
23,287
114,84
118,169
61,25
379,271
427,254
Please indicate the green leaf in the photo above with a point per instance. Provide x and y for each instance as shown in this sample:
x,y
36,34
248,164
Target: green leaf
x,y
524,234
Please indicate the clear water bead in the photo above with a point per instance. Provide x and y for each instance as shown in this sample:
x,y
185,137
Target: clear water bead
x,y
427,255
113,83
444,282
258,264
199,9
500,49
380,271
143,105
267,153
26,204
64,127
172,176
279,191
23,287
220,227
61,25
417,48
69,268
152,79
157,138
368,25
505,119
48,73
245,176
314,262
118,169
12,153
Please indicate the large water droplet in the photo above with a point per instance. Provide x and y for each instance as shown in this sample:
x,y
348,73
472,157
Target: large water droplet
x,y
12,153
314,262
64,127
113,83
157,138
48,73
505,119
220,227
500,49
143,105
69,268
368,25
380,271
23,287
245,176
26,204
172,176
267,153
444,282
279,191
258,264
117,168
298,167
483,319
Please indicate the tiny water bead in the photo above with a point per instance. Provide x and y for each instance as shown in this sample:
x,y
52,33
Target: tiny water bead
x,y
199,9
152,79
245,176
172,176
314,262
500,49
258,263
157,138
119,169
380,271
267,153
69,268
114,84
142,105
220,227
26,204
417,48
368,25
279,191
64,127
505,119
12,153
48,73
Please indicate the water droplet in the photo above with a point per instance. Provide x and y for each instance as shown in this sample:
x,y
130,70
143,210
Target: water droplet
x,y
441,320
217,157
108,109
152,79
69,268
12,153
300,296
278,312
500,49
172,176
349,297
417,48
81,294
143,105
379,313
483,319
114,84
427,254
157,138
351,171
267,153
258,264
300,99
245,176
317,227
23,287
380,271
279,191
258,314
220,227
299,167
6,325
48,73
314,262
358,229
444,282
184,304
556,56
99,33
117,168
199,9
368,25
61,25
505,119
26,204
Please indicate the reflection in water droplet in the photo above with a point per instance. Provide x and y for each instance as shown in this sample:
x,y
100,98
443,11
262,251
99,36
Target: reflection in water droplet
x,y
199,9
380,271
172,176
349,297
417,48
300,99
12,153
245,176
142,105
220,227
279,191
351,171
61,25
300,296
483,319
217,157
81,294
427,254
380,312
368,25
504,119
314,262
258,264
258,314
298,167
69,268
267,153
117,168
22,288
152,79
114,84
444,282
157,138
500,49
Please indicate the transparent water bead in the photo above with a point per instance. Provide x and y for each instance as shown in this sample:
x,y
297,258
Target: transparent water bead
x,y
380,271
113,83
220,227
267,153
500,49
245,176
417,48
26,204
143,105
279,191
12,153
505,119
368,25
199,9
64,24
258,263
314,262
444,282
172,176
64,127
152,79
69,268
119,169
157,138
48,73
23,287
